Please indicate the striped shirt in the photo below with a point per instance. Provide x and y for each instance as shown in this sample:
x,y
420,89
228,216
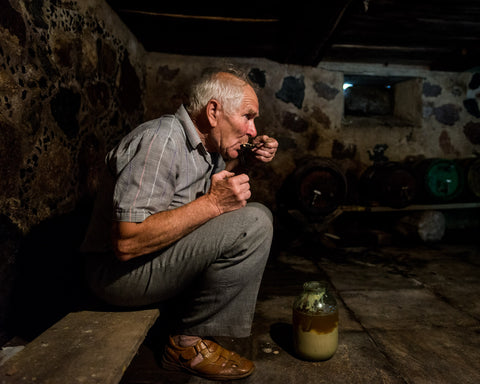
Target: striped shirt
x,y
160,165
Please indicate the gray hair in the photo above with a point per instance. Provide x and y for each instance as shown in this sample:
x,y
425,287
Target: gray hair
x,y
213,84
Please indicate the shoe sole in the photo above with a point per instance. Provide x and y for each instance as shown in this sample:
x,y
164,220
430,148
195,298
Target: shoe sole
x,y
169,366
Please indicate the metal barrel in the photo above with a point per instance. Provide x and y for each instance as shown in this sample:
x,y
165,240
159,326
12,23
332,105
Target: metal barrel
x,y
388,184
438,180
320,186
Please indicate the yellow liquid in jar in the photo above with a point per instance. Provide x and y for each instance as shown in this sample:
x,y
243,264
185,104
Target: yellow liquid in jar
x,y
315,336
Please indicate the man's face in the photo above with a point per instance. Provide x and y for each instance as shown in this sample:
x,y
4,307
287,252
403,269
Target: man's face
x,y
235,128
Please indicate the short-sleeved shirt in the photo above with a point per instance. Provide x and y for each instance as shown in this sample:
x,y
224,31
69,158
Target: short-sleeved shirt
x,y
160,165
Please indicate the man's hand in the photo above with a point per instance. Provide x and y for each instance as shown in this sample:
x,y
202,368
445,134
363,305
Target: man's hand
x,y
265,148
229,191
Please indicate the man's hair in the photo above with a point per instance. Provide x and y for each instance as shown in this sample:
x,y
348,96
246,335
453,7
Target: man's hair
x,y
215,84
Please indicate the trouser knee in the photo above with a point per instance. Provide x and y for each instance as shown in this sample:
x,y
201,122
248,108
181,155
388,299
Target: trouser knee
x,y
260,220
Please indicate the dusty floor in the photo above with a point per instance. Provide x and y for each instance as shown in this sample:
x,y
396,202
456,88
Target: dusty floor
x,y
408,314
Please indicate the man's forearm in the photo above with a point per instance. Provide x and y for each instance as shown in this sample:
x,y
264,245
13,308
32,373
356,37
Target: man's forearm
x,y
159,230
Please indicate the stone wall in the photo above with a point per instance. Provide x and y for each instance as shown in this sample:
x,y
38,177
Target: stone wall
x,y
71,83
303,108
73,80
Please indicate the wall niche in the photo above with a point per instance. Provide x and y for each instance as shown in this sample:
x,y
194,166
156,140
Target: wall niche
x,y
382,101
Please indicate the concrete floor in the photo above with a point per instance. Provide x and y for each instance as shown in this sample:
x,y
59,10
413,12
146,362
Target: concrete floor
x,y
408,314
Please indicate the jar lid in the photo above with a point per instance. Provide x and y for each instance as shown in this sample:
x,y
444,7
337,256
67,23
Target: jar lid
x,y
318,286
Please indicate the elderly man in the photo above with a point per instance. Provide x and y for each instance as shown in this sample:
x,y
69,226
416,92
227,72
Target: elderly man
x,y
182,230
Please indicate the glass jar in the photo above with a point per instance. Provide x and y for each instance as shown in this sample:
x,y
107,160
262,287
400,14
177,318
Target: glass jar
x,y
315,322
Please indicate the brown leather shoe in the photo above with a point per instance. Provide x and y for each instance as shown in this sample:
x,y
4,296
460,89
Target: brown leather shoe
x,y
218,363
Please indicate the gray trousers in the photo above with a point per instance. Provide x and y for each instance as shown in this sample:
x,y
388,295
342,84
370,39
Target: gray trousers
x,y
212,275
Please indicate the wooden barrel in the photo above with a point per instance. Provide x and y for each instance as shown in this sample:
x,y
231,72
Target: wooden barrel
x,y
438,180
387,184
471,170
320,186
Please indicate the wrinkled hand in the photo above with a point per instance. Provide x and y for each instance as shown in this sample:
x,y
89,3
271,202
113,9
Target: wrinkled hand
x,y
229,191
265,149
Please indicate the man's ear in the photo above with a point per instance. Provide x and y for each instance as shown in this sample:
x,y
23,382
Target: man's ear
x,y
213,108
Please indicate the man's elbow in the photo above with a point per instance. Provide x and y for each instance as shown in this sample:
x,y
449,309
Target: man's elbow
x,y
123,250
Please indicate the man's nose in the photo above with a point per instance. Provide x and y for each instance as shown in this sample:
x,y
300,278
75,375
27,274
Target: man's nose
x,y
251,130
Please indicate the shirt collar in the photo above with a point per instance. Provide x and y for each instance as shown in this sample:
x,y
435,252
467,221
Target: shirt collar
x,y
190,131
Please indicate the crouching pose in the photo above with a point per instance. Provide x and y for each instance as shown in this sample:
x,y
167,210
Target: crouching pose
x,y
172,222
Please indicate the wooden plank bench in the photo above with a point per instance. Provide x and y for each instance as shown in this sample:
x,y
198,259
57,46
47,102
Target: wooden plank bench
x,y
84,347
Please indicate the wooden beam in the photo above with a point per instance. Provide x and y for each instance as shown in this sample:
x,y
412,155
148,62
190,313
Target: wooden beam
x,y
319,50
416,207
199,17
90,347
308,29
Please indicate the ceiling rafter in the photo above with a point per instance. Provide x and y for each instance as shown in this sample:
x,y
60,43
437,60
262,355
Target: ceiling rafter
x,y
439,34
